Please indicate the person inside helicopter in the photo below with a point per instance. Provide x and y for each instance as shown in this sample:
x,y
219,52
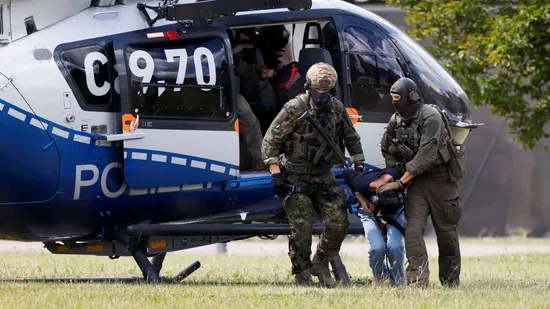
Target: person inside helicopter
x,y
270,41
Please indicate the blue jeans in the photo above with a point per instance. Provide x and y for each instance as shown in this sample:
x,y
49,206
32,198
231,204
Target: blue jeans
x,y
394,249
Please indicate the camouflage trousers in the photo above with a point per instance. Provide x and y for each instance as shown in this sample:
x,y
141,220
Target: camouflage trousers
x,y
323,195
439,198
250,135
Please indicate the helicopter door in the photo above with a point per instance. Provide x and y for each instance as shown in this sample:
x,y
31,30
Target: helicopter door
x,y
178,124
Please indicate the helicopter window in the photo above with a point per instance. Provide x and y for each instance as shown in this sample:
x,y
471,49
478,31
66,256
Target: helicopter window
x,y
367,40
167,87
431,74
373,68
93,74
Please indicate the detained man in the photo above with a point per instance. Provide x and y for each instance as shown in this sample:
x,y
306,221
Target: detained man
x,y
386,240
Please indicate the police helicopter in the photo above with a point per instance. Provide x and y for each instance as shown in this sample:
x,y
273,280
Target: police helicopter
x,y
119,129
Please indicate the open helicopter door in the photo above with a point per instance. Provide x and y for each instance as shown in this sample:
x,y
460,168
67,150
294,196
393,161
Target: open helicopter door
x,y
178,114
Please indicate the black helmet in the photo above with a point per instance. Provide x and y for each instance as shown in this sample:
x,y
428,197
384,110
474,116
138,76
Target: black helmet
x,y
406,88
409,100
270,38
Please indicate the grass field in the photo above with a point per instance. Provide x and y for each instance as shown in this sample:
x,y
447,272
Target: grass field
x,y
504,281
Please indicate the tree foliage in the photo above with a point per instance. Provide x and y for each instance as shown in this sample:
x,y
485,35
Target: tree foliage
x,y
499,51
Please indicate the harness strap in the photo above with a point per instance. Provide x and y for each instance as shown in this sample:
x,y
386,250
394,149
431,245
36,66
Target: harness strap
x,y
308,169
381,227
394,223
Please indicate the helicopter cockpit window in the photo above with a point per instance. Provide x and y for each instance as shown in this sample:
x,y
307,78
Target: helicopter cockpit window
x,y
366,40
373,67
92,71
183,80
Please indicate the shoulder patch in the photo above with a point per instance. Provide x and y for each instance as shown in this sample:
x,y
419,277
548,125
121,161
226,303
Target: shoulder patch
x,y
432,127
293,107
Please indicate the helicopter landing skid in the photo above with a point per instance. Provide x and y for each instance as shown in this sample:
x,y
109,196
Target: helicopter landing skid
x,y
150,269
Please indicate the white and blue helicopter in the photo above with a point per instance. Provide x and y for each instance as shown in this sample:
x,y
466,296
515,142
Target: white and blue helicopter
x,y
119,132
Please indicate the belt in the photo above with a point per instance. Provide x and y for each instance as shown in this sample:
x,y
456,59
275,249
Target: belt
x,y
308,169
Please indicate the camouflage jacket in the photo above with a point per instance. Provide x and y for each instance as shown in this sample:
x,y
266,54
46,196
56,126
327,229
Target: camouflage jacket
x,y
299,141
426,136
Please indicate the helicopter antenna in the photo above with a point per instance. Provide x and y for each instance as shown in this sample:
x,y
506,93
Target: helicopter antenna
x,y
208,9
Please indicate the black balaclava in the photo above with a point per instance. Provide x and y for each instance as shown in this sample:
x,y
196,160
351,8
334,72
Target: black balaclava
x,y
410,101
319,99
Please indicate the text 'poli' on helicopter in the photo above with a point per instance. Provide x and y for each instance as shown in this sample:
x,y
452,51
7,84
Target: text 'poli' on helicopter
x,y
119,132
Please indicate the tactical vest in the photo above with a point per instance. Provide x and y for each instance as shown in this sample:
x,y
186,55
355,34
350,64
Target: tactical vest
x,y
410,134
305,149
448,153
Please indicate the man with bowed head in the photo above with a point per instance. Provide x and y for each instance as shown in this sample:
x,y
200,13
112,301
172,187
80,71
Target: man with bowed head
x,y
304,179
418,142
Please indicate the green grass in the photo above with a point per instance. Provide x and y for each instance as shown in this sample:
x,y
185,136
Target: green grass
x,y
511,281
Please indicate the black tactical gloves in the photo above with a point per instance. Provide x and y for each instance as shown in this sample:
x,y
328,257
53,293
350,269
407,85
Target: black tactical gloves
x,y
280,187
396,185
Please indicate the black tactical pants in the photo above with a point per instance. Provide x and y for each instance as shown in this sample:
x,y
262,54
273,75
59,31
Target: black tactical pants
x,y
438,197
324,195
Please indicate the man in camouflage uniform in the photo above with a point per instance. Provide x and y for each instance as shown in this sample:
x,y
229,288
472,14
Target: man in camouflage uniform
x,y
433,191
307,166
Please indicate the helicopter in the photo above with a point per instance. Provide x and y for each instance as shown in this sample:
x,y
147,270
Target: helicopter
x,y
119,125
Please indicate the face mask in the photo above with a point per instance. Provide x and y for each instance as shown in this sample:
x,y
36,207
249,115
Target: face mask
x,y
319,99
406,111
399,105
404,106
